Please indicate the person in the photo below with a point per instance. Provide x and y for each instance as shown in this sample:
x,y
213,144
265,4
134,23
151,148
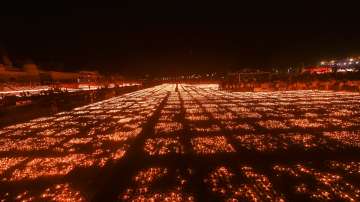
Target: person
x,y
53,106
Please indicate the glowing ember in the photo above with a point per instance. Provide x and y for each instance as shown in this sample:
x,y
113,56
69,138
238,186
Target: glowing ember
x,y
211,145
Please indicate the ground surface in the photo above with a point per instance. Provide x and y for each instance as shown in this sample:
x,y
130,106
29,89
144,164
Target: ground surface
x,y
189,143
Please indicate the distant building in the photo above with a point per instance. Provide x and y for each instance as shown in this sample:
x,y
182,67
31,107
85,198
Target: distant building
x,y
351,64
248,75
30,73
89,76
317,69
12,74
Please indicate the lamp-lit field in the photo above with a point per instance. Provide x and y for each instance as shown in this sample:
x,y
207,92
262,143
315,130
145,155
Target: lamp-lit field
x,y
191,143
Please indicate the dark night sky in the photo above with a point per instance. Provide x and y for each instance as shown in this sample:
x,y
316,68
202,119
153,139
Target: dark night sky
x,y
134,38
